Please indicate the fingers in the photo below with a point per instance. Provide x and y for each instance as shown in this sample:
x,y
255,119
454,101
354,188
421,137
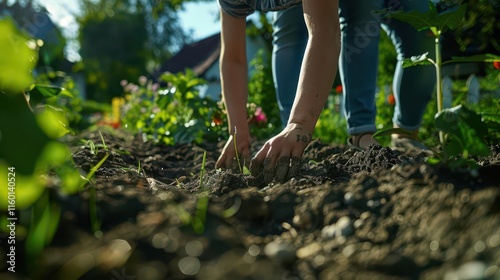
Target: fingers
x,y
294,166
257,163
229,158
280,167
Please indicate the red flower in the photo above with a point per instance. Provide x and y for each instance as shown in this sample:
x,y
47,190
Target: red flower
x,y
217,121
390,99
109,123
496,64
338,89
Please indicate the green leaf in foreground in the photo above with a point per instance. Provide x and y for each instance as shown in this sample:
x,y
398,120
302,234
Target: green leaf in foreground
x,y
22,140
17,58
39,92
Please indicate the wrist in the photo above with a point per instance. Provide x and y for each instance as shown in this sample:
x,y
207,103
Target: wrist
x,y
304,125
242,130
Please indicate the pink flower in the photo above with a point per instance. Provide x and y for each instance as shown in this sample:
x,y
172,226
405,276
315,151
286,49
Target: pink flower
x,y
260,116
155,87
123,83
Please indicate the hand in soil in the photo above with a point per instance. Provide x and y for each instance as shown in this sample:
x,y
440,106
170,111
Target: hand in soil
x,y
228,157
279,158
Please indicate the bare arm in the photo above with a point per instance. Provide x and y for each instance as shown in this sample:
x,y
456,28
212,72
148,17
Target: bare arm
x,y
278,157
320,62
233,67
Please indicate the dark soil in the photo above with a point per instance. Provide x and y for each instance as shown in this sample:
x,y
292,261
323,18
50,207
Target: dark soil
x,y
374,214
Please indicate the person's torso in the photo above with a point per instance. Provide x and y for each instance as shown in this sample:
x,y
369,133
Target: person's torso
x,y
243,8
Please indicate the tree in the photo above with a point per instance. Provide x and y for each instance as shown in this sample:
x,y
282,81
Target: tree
x,y
119,39
34,20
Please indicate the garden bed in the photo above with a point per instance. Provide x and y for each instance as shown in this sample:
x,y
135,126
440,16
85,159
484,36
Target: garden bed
x,y
375,214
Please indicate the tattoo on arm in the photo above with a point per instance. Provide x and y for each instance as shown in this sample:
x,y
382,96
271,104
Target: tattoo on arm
x,y
304,138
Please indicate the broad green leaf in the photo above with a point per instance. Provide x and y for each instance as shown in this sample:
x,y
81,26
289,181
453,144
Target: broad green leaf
x,y
22,140
460,114
53,122
49,91
17,58
454,147
450,18
416,19
466,126
431,19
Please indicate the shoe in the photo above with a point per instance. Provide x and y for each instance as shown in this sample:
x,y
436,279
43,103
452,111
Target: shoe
x,y
407,144
354,141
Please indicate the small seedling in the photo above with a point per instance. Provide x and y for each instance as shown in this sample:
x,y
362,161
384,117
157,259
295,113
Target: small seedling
x,y
94,222
105,147
198,221
203,170
243,169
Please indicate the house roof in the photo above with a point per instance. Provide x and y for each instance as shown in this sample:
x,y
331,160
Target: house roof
x,y
198,56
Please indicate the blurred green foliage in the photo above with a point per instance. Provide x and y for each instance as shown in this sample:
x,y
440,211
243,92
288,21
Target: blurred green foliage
x,y
478,32
123,39
18,57
29,146
170,115
261,93
80,113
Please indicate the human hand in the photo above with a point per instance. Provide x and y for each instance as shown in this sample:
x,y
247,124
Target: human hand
x,y
280,156
228,157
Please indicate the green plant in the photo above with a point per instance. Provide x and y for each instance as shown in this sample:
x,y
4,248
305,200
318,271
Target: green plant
x,y
243,168
95,224
79,112
171,114
461,131
177,114
29,133
203,171
198,220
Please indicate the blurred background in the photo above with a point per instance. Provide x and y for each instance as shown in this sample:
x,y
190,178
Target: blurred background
x,y
101,42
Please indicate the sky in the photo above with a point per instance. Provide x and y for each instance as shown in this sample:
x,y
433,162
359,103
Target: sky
x,y
200,18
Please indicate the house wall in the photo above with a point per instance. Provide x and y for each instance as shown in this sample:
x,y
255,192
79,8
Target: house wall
x,y
212,75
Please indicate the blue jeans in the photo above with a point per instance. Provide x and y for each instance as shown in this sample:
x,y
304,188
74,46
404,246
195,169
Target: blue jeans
x,y
358,64
289,43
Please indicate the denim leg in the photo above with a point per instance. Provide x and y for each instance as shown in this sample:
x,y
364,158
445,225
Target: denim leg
x,y
360,27
289,43
412,86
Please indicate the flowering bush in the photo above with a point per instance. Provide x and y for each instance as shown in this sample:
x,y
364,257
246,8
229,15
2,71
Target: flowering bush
x,y
175,113
169,114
